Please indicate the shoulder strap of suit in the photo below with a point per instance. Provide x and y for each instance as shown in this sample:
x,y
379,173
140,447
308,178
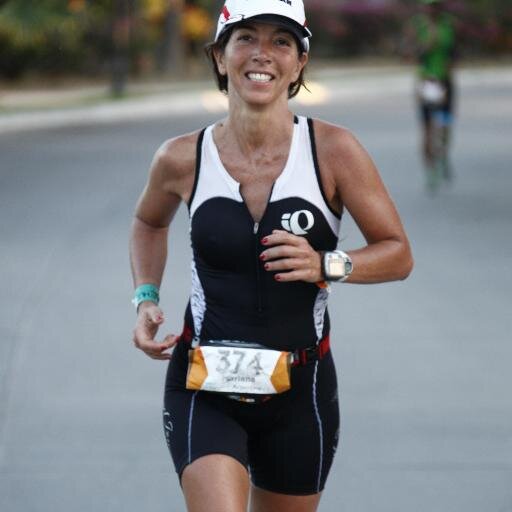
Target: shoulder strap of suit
x,y
199,152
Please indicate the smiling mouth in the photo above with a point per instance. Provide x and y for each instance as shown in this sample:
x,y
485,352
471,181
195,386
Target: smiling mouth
x,y
260,77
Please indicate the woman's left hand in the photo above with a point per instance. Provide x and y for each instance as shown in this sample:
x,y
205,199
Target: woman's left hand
x,y
291,257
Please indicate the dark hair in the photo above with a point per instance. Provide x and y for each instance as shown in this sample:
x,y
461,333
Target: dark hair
x,y
222,80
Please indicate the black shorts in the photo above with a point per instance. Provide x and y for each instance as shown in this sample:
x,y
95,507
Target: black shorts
x,y
287,443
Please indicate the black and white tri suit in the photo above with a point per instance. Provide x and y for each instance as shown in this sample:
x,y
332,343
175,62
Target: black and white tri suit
x,y
287,442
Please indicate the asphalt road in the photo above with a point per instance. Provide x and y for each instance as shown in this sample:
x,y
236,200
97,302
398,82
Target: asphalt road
x,y
424,365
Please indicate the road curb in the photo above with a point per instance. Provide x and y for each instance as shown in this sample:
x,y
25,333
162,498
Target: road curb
x,y
329,84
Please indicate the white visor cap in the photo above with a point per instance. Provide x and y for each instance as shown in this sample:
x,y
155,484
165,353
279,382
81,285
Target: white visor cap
x,y
235,11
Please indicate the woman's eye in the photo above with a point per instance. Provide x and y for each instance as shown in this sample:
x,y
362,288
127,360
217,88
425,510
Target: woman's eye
x,y
283,42
244,37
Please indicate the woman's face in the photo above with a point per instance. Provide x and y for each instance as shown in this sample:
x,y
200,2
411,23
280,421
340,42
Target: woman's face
x,y
260,61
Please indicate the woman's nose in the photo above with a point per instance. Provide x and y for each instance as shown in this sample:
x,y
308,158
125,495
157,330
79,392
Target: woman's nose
x,y
262,52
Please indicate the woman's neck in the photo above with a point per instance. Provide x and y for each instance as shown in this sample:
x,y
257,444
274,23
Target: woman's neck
x,y
257,129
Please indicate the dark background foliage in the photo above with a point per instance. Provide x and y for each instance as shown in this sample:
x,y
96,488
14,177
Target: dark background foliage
x,y
96,37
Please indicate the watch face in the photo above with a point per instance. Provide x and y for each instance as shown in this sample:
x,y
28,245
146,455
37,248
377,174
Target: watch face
x,y
335,266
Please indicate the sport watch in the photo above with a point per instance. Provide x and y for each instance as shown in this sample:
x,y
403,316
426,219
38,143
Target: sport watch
x,y
336,266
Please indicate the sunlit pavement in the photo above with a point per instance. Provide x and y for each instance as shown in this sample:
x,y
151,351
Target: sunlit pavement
x,y
423,365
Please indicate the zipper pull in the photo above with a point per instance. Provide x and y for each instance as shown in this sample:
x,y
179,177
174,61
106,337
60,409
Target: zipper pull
x,y
256,227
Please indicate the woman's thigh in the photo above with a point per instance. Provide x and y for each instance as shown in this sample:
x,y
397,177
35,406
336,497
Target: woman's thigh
x,y
293,457
197,424
216,483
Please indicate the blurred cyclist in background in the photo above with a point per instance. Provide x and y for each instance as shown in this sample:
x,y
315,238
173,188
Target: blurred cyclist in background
x,y
431,41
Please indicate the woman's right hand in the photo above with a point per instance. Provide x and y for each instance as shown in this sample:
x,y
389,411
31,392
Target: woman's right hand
x,y
149,319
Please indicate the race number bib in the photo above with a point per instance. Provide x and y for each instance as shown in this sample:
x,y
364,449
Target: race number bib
x,y
234,368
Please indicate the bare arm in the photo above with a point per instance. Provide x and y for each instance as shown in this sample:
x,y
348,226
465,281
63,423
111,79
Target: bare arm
x,y
170,181
154,212
387,255
349,178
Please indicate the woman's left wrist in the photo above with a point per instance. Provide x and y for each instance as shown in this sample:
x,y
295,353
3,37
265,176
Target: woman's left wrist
x,y
336,266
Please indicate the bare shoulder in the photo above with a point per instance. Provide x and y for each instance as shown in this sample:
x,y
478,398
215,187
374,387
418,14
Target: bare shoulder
x,y
174,163
335,141
171,179
342,161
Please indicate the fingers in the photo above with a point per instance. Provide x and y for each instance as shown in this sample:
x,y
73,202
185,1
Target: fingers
x,y
279,236
291,256
295,275
151,313
149,319
154,349
287,264
294,269
169,341
284,245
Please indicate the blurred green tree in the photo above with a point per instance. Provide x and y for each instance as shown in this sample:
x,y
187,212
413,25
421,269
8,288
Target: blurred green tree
x,y
119,37
38,35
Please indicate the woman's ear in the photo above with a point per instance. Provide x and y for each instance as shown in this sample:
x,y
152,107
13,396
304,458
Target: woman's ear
x,y
218,55
301,63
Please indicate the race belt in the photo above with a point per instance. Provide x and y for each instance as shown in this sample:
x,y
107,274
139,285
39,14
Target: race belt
x,y
244,368
231,366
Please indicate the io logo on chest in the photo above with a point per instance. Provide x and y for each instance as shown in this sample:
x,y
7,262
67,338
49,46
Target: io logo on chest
x,y
298,223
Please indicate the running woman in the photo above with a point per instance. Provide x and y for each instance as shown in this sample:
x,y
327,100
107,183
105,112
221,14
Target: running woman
x,y
251,412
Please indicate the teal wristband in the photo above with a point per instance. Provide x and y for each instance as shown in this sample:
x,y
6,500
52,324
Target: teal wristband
x,y
146,292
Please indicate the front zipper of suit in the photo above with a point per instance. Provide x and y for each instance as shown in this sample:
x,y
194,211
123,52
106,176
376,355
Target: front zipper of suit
x,y
259,292
256,246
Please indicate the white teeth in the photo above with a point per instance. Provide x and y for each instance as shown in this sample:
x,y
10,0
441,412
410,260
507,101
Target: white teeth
x,y
259,77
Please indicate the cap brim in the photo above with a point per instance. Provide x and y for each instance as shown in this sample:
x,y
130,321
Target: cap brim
x,y
286,23
301,33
